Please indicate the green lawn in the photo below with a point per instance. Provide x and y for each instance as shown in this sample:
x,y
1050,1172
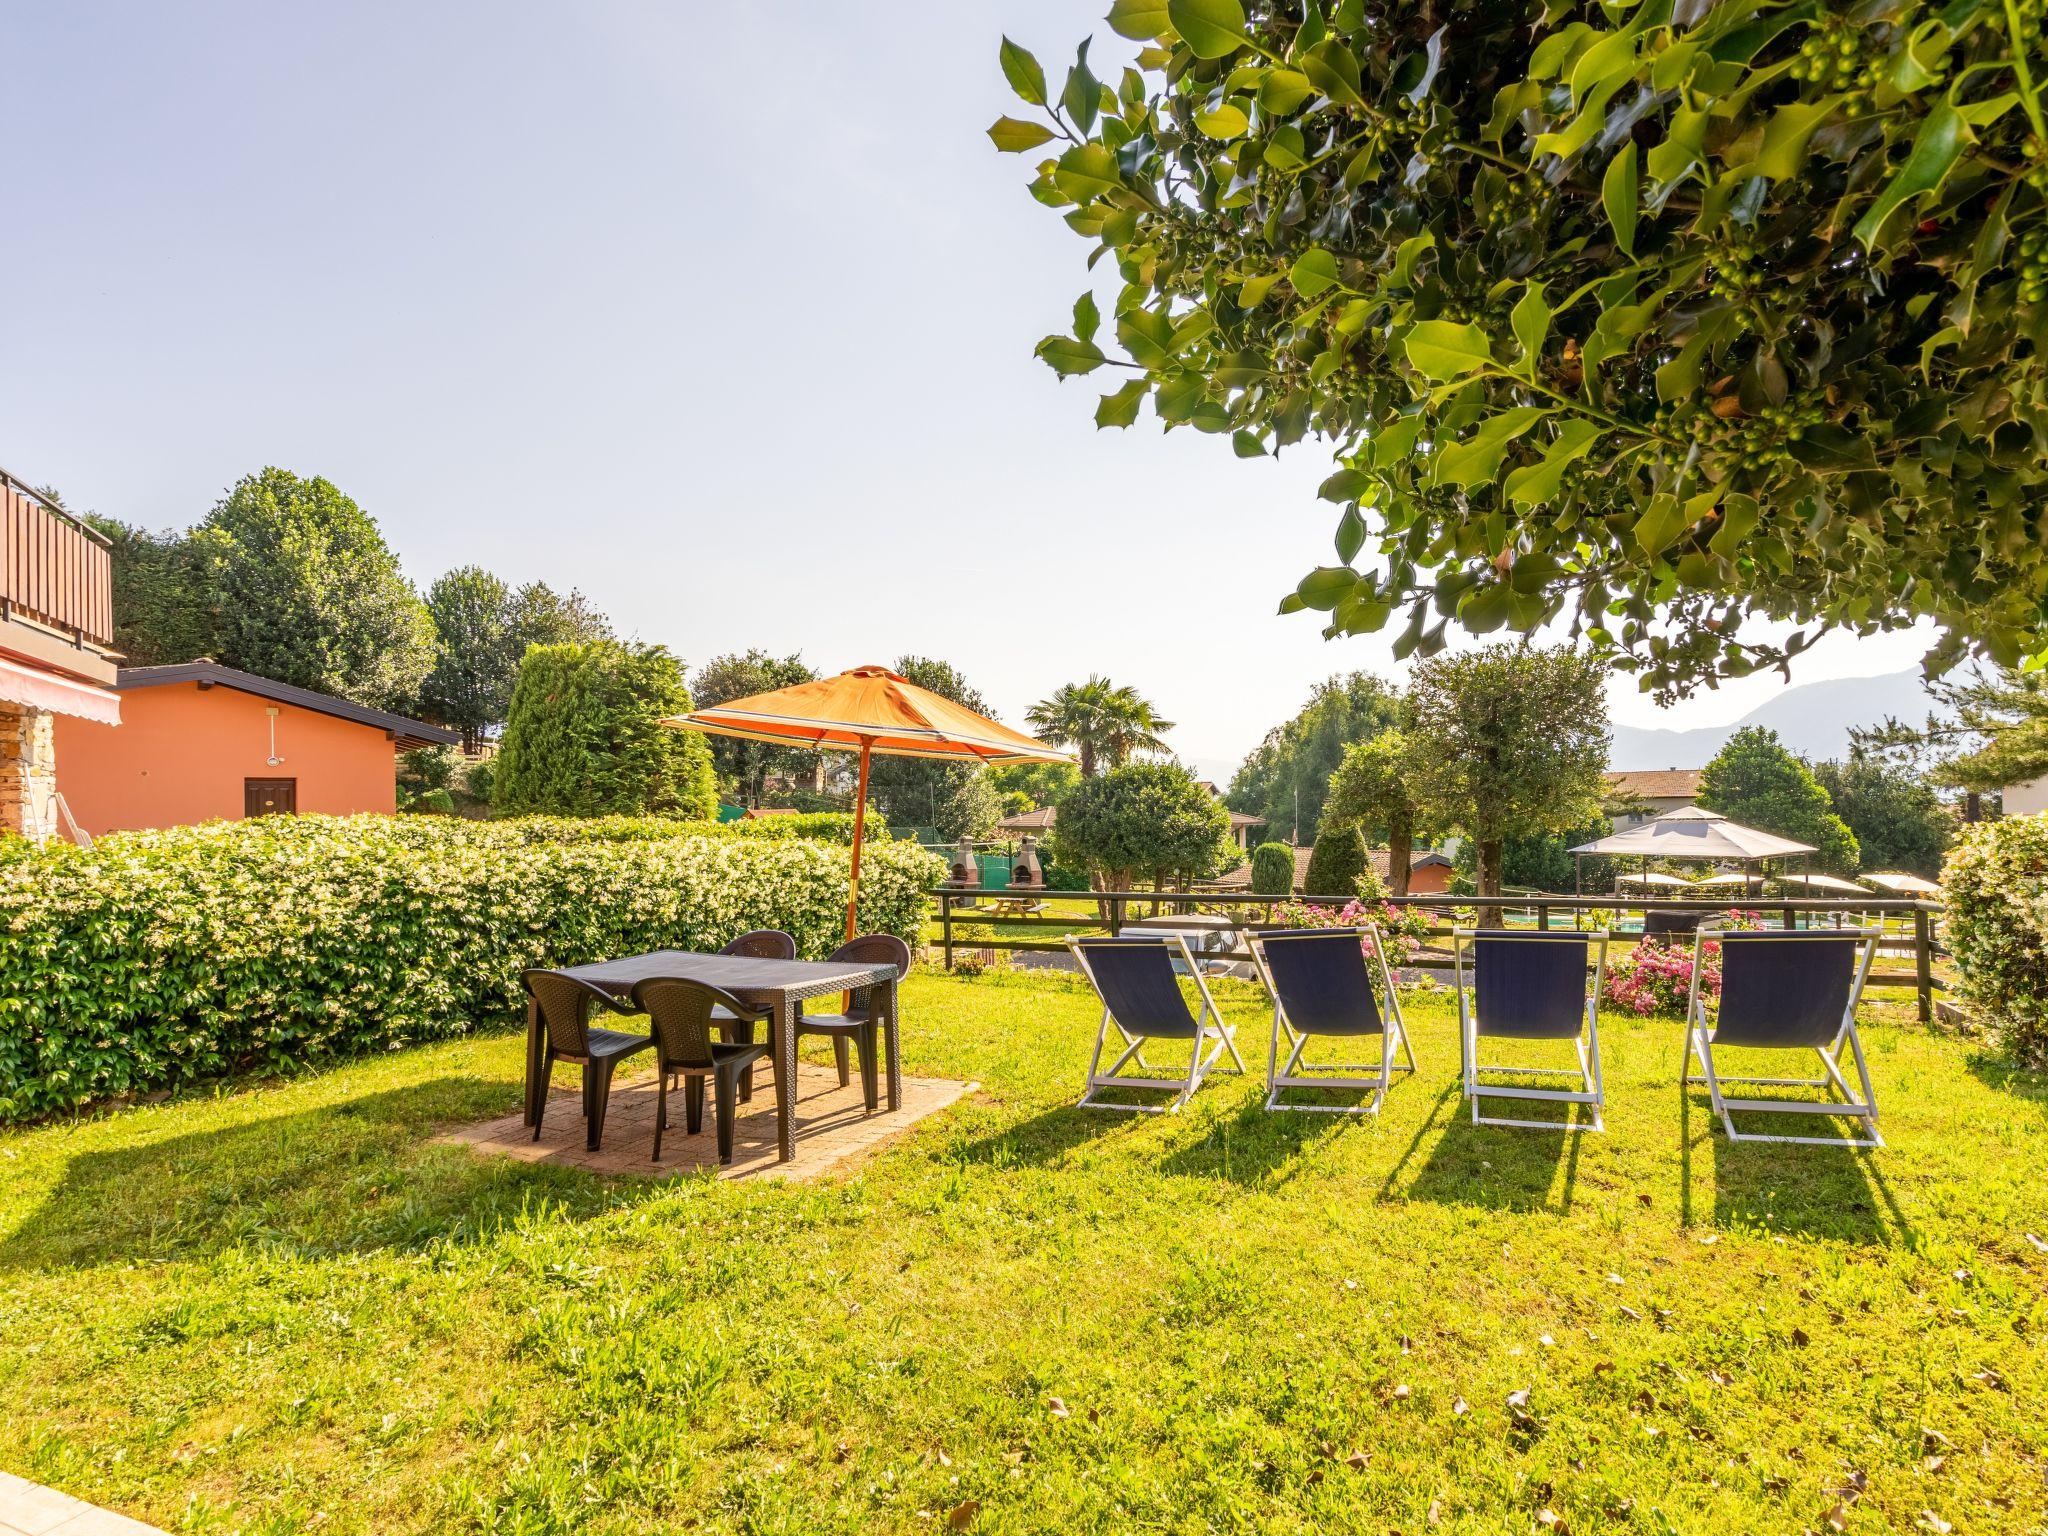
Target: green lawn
x,y
287,1309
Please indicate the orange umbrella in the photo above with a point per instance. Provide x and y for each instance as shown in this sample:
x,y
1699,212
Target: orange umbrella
x,y
868,710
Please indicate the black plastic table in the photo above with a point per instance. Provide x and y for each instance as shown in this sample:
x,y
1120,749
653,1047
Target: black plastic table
x,y
785,984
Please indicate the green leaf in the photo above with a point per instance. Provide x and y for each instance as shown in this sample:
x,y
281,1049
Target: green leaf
x,y
1447,349
1660,524
1350,534
1314,270
1345,485
1147,335
1120,409
1484,608
1023,73
1087,170
1620,195
1608,63
1477,460
1083,96
1225,122
1531,320
1013,135
1739,515
1251,293
1782,155
1246,445
1536,483
1212,29
1409,253
1139,20
1323,587
1283,90
1086,317
1070,355
1333,70
1937,146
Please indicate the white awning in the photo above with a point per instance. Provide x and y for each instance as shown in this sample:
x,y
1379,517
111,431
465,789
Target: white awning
x,y
1694,833
60,695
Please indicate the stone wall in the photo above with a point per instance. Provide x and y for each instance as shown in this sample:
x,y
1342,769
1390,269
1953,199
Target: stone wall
x,y
28,771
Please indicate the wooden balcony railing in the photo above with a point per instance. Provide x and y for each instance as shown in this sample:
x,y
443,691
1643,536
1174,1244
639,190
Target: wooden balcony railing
x,y
54,571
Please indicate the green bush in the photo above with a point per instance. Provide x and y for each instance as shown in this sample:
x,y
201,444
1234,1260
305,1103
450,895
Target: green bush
x,y
585,738
431,802
1144,819
1273,870
1996,881
1337,862
154,958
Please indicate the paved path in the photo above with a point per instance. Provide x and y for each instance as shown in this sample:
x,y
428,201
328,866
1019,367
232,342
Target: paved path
x,y
29,1509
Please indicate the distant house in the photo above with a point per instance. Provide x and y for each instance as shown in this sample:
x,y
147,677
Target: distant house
x,y
1429,872
199,742
2025,799
1638,795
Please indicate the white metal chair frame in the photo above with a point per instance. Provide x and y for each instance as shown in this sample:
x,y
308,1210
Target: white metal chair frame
x,y
1590,1091
1393,1027
1209,1026
1699,1042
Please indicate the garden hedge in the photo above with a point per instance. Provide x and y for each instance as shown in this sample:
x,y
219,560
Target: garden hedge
x,y
1996,882
155,958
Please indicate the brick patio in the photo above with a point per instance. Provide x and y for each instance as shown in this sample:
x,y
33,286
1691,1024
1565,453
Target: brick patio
x,y
832,1130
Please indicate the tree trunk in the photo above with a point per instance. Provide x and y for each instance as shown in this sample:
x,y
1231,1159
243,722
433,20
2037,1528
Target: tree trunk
x,y
1400,858
1087,759
1490,855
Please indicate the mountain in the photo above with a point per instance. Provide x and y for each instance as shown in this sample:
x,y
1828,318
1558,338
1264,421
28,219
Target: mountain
x,y
1812,720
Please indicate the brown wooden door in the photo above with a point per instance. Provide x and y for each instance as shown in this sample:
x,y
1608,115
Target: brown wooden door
x,y
270,797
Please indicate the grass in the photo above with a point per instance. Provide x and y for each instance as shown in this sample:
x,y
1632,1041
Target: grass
x,y
288,1309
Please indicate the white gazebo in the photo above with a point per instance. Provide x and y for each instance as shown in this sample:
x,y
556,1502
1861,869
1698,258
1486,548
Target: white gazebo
x,y
1693,832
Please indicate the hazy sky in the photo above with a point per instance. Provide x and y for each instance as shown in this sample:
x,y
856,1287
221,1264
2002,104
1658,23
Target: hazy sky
x,y
722,313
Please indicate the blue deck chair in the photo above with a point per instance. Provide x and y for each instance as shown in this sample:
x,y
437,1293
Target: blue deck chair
x,y
1531,986
1783,990
1320,986
1142,1001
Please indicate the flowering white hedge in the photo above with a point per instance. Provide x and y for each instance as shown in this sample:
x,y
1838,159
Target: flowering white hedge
x,y
157,957
1996,880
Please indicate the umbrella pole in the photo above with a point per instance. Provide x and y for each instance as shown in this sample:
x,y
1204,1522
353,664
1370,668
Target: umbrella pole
x,y
860,823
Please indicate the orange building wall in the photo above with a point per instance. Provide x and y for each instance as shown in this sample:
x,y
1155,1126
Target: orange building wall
x,y
181,752
1433,881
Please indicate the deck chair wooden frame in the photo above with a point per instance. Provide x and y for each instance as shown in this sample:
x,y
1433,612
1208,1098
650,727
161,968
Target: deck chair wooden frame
x,y
1390,1027
1591,1092
1701,1037
1205,1030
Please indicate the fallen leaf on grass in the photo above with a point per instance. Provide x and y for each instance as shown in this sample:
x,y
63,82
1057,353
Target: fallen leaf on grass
x,y
1436,1512
841,1451
1519,1398
1056,1408
1094,1416
1932,1441
1930,1521
1460,1408
1990,1379
1357,1461
962,1515
1401,1392
1799,1338
1932,1464
1551,1520
2039,1246
1630,1313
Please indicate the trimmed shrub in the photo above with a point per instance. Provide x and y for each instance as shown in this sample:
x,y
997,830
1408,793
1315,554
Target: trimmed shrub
x,y
1273,870
1337,862
1996,881
154,958
1148,819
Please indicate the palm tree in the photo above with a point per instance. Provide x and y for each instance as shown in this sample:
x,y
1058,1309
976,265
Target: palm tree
x,y
1103,722
1131,724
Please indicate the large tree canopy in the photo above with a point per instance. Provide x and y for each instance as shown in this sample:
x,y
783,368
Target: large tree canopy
x,y
305,590
1649,316
1898,820
1287,776
1506,742
739,675
1755,781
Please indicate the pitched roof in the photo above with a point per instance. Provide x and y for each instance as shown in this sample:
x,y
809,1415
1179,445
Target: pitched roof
x,y
1654,784
407,733
1691,832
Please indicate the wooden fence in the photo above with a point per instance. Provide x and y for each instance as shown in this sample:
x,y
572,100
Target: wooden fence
x,y
1114,910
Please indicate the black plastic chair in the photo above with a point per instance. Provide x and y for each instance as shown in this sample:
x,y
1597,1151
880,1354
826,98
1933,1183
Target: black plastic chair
x,y
1784,990
857,1025
761,944
1531,986
1141,998
684,1015
565,1005
1320,986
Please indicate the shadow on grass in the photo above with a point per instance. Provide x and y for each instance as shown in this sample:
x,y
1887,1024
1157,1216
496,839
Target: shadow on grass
x,y
2001,1074
1256,1145
360,1175
1506,1168
1045,1138
1834,1192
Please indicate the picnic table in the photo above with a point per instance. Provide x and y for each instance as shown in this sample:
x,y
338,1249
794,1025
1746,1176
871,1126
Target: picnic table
x,y
782,984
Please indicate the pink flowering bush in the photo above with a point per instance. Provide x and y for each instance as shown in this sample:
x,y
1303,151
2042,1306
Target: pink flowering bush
x,y
1655,978
1405,927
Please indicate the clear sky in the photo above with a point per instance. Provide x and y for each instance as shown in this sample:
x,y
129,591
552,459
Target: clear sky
x,y
721,313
